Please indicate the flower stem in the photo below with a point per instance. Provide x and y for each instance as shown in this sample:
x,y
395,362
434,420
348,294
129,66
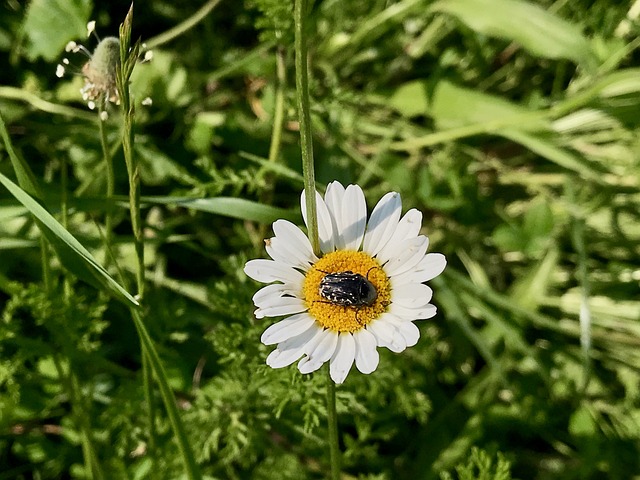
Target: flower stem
x,y
306,142
332,419
182,27
128,58
108,161
278,115
192,471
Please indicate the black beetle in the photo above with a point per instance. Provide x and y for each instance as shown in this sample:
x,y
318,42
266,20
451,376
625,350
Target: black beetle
x,y
347,289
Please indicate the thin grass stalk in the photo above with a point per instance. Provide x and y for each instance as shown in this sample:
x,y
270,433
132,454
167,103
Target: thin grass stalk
x,y
577,237
332,421
108,162
278,114
306,142
191,467
128,59
70,381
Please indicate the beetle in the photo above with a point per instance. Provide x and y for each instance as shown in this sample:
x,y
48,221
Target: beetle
x,y
348,289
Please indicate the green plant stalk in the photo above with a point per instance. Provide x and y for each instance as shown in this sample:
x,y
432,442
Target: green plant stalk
x,y
70,384
306,142
192,471
70,381
265,175
108,162
577,237
64,220
183,26
332,420
128,59
278,114
147,381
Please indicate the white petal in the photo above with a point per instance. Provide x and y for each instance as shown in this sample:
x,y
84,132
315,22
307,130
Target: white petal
x,y
429,267
287,328
291,350
334,197
266,296
283,306
343,357
354,217
387,335
293,243
321,352
408,330
267,271
408,227
325,224
413,295
411,314
367,356
383,223
412,252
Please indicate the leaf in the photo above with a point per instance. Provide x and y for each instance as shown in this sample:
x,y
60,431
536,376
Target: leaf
x,y
538,31
50,24
228,207
530,288
453,106
71,252
547,149
25,176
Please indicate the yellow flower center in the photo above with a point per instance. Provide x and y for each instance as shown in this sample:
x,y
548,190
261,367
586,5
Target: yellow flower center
x,y
342,318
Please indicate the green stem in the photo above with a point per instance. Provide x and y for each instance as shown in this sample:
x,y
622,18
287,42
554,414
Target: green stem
x,y
70,384
265,174
278,114
193,473
151,407
182,27
108,161
46,267
332,419
64,207
577,237
306,142
128,59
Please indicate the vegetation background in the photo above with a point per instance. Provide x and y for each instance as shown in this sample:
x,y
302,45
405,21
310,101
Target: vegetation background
x,y
512,125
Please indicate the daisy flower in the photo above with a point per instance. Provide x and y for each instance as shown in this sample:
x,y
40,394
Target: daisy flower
x,y
363,293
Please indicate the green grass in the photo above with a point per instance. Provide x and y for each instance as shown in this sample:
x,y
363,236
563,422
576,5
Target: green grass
x,y
513,126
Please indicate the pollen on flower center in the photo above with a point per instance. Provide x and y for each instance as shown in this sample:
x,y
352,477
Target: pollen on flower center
x,y
339,317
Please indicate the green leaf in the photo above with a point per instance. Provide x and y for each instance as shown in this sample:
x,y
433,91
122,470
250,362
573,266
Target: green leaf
x,y
454,106
50,24
530,288
25,176
538,31
72,254
549,150
228,207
